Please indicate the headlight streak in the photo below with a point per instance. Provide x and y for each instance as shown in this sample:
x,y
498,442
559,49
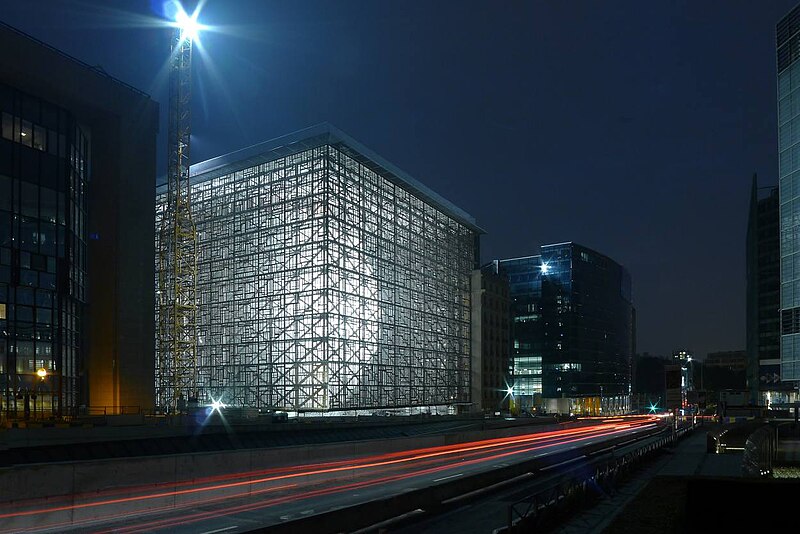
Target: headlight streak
x,y
321,468
384,463
167,522
424,461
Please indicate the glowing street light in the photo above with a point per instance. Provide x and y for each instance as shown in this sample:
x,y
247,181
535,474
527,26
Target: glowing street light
x,y
545,268
41,373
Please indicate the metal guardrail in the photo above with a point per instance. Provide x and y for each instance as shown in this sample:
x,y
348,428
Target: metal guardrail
x,y
546,507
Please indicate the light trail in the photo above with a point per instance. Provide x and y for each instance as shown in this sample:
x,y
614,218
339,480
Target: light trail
x,y
425,454
314,469
248,507
420,460
326,470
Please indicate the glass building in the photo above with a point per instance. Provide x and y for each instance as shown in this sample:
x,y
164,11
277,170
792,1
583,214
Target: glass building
x,y
42,253
573,332
788,53
763,371
77,165
328,280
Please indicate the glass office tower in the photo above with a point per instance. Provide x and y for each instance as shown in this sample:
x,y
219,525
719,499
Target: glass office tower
x,y
77,169
328,280
42,254
788,53
573,333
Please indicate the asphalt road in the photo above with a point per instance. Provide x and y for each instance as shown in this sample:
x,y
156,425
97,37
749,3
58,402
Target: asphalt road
x,y
242,501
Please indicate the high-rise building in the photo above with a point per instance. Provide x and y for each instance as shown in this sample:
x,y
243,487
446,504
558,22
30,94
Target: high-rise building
x,y
763,298
686,361
491,324
77,173
572,333
788,66
328,280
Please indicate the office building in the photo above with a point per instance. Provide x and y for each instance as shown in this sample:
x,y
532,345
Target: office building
x,y
491,337
687,362
77,168
328,280
788,68
572,330
763,371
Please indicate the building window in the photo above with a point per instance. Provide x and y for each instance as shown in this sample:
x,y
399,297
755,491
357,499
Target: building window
x,y
8,128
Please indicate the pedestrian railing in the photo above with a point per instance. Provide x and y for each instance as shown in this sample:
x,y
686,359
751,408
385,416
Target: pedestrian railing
x,y
543,509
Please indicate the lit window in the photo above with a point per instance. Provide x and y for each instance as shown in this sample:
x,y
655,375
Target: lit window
x,y
26,133
2,311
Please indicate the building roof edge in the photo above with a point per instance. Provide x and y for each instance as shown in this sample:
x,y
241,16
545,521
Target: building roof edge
x,y
313,137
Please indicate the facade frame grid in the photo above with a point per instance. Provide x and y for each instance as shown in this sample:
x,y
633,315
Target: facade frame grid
x,y
325,286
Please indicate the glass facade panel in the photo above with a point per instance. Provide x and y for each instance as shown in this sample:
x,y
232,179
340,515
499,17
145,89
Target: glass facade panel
x,y
40,321
789,193
323,285
572,325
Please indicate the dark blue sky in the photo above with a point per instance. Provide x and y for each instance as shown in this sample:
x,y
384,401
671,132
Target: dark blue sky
x,y
630,127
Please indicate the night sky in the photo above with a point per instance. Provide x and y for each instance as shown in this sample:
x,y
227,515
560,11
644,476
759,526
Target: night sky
x,y
631,127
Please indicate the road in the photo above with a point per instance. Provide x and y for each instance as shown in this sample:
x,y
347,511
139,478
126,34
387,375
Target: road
x,y
237,502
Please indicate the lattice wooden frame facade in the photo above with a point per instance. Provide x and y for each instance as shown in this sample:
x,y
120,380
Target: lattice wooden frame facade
x,y
323,285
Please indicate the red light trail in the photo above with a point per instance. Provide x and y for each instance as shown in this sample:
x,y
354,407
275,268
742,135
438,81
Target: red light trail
x,y
296,481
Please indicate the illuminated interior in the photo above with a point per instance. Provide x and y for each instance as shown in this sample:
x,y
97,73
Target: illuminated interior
x,y
325,283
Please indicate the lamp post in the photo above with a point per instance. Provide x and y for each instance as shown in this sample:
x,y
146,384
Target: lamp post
x,y
42,374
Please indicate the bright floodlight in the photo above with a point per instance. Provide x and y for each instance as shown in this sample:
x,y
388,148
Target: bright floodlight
x,y
217,405
189,26
42,373
545,268
510,390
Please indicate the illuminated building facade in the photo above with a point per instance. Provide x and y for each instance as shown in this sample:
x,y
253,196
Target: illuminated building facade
x,y
77,164
572,330
328,280
685,360
788,54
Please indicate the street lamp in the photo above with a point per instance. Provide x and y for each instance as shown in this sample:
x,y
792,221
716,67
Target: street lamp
x,y
42,374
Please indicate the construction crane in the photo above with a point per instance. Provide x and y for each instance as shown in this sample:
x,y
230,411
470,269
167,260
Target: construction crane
x,y
177,281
